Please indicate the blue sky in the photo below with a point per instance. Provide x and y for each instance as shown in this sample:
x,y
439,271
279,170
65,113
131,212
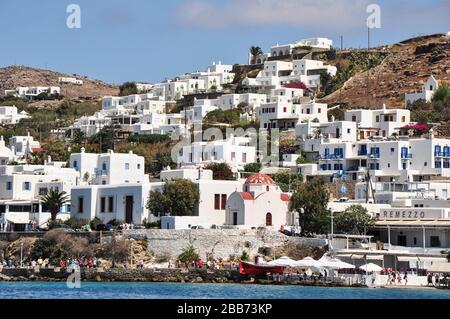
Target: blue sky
x,y
142,40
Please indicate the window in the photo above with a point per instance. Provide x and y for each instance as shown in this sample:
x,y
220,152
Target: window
x,y
43,191
434,241
110,204
102,204
319,110
377,118
353,118
138,166
223,202
244,157
268,219
284,109
80,204
233,156
27,186
403,119
127,166
217,201
104,166
8,186
75,164
425,164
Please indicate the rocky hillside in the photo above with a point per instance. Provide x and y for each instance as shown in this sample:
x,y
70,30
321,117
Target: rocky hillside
x,y
405,70
13,76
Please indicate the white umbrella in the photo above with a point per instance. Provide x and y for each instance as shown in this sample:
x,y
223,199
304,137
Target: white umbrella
x,y
335,263
283,261
371,268
309,262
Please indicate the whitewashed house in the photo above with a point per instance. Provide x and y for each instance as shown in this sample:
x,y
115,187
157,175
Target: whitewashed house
x,y
381,122
21,187
24,145
6,154
235,151
70,80
428,90
30,93
108,168
10,115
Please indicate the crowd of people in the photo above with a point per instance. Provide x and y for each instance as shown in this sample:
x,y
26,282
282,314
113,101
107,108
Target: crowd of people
x,y
209,264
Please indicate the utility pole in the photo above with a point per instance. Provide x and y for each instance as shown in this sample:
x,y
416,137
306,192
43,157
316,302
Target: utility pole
x,y
368,68
342,42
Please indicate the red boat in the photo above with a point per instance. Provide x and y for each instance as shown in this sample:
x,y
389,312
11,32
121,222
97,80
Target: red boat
x,y
246,268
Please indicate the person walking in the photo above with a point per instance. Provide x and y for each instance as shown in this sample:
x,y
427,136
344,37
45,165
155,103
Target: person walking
x,y
405,278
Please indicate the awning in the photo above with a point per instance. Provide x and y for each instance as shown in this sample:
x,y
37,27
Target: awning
x,y
433,259
440,268
412,223
368,257
408,258
18,219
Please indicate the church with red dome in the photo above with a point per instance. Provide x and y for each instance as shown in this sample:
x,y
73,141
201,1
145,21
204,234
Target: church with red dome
x,y
261,203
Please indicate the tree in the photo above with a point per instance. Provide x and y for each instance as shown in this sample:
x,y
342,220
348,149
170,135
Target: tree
x,y
255,52
188,254
442,94
253,167
287,181
128,88
178,198
158,203
221,171
162,161
310,200
354,220
54,200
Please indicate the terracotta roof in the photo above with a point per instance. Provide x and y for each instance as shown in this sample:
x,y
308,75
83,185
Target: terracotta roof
x,y
259,178
296,86
37,149
246,196
285,197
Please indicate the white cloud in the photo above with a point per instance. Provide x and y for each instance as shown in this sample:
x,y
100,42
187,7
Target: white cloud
x,y
323,15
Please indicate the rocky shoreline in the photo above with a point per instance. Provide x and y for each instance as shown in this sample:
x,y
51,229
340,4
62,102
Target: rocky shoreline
x,y
151,275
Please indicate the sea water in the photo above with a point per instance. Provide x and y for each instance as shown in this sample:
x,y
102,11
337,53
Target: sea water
x,y
125,290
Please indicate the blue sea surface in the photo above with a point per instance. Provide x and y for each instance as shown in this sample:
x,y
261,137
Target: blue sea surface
x,y
126,290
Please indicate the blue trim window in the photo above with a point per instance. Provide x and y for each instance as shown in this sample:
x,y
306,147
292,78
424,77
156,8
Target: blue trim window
x,y
8,185
437,150
438,164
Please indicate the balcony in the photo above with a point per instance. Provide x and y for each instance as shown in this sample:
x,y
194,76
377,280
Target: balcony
x,y
362,153
407,156
375,156
101,172
331,157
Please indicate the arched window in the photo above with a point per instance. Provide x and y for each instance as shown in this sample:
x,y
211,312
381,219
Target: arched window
x,y
267,188
268,219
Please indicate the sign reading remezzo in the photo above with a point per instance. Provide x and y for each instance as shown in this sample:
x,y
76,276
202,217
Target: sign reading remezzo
x,y
411,213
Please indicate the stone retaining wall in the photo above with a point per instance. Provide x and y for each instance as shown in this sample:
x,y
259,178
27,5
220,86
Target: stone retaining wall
x,y
220,243
121,274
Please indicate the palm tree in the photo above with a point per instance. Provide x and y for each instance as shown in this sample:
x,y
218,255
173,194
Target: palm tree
x,y
255,51
54,200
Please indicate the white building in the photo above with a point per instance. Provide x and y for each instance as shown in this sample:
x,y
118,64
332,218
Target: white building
x,y
286,49
9,115
428,90
108,168
25,92
281,113
24,145
260,203
235,151
6,154
127,202
278,73
70,80
382,122
21,187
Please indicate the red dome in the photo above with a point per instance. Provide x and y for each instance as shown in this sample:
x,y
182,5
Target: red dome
x,y
260,179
